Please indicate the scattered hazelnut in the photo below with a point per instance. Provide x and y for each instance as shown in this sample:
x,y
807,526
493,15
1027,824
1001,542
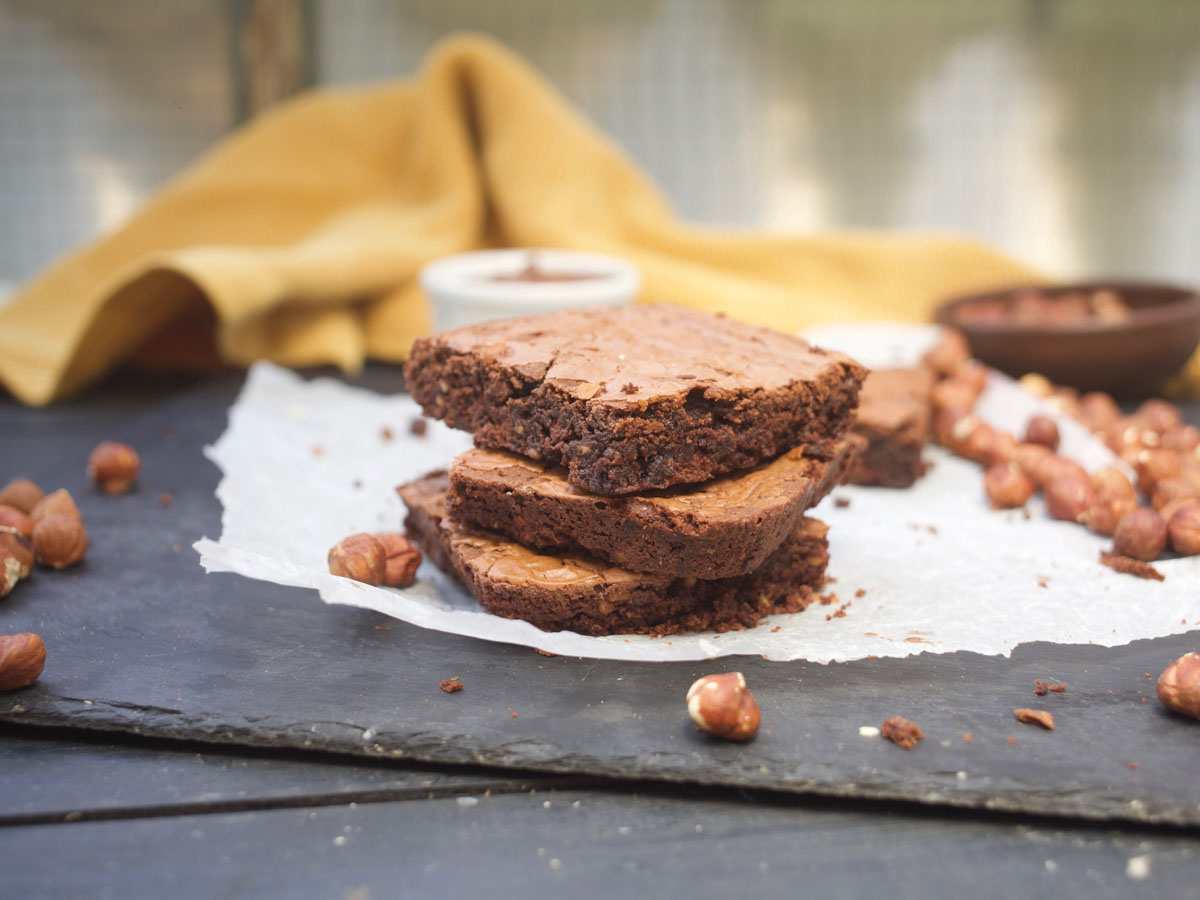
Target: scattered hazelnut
x,y
1006,486
59,501
1181,438
1140,534
722,705
1153,465
114,467
59,540
1038,385
1184,529
1169,489
1179,685
1042,430
1174,506
19,547
1053,468
972,373
22,494
1068,496
1158,415
22,657
11,517
1098,410
1111,480
953,393
950,350
1027,457
360,557
985,445
1106,511
952,424
403,557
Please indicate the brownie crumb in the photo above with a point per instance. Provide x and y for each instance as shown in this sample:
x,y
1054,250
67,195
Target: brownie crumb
x,y
629,388
1035,717
1012,740
1040,687
385,434
839,613
165,499
1133,766
382,628
861,592
451,685
841,502
776,628
901,732
1129,566
418,427
966,736
318,450
1043,580
1058,688
545,652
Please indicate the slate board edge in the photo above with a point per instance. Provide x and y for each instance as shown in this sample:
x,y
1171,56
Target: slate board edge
x,y
1072,801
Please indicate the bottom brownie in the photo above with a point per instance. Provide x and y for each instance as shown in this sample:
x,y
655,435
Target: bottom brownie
x,y
893,419
579,593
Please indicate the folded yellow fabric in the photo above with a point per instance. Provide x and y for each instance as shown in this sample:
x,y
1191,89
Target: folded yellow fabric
x,y
298,238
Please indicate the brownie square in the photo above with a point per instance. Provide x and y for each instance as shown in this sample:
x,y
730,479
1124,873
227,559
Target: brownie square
x,y
893,419
580,593
725,527
634,398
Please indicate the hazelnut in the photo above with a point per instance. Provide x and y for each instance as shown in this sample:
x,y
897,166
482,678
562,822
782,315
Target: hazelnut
x,y
1153,465
1068,496
22,657
1106,511
1140,534
403,557
1054,467
1181,438
1179,685
1183,528
10,571
1027,457
114,467
58,502
22,494
953,392
722,705
1038,385
1042,430
1174,506
950,350
1006,486
360,557
59,540
1111,480
952,424
1098,410
19,547
985,445
1158,415
1173,489
11,517
972,373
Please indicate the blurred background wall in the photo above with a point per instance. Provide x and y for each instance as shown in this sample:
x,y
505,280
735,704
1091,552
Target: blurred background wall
x,y
1065,131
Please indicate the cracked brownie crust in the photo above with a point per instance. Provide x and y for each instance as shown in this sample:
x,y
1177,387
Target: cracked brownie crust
x,y
725,527
893,419
634,398
580,593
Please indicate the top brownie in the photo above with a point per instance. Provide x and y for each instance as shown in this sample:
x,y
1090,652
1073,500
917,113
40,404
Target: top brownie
x,y
634,398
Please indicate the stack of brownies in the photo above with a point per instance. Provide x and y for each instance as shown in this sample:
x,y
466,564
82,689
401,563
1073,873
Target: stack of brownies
x,y
642,469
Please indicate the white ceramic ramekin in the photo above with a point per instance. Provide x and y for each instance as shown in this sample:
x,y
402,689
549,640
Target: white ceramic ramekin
x,y
463,289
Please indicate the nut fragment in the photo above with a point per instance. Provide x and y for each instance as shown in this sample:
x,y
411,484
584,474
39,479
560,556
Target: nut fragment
x,y
1069,496
901,731
19,548
59,501
1035,717
1042,430
13,518
1006,486
1140,534
1179,685
722,705
1183,528
10,572
360,557
403,557
22,658
114,467
59,540
21,493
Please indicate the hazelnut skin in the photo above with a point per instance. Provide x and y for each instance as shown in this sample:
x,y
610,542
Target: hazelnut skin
x,y
22,494
22,658
403,557
19,548
1068,496
1006,486
11,517
1042,430
1183,528
59,501
722,705
114,467
59,540
1140,534
1179,685
359,557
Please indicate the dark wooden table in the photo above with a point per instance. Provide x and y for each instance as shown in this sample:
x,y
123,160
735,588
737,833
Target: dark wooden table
x,y
188,738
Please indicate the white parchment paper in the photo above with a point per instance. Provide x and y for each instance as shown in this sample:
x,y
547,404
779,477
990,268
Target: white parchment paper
x,y
926,569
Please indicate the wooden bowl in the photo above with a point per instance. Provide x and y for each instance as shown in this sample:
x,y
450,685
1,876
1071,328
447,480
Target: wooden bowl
x,y
1127,358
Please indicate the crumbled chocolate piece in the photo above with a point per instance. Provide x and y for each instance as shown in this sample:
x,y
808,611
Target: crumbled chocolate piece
x,y
1129,566
418,427
1035,717
629,388
165,500
451,685
901,731
841,502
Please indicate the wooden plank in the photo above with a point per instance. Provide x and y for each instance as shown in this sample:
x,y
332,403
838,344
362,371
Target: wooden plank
x,y
142,641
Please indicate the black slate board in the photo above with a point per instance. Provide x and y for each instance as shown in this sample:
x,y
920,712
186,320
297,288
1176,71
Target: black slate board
x,y
142,641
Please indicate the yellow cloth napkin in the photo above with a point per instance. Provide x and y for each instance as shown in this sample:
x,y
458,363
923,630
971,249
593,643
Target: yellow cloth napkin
x,y
298,238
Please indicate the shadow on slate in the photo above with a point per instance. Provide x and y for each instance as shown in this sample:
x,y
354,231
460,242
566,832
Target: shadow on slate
x,y
142,641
